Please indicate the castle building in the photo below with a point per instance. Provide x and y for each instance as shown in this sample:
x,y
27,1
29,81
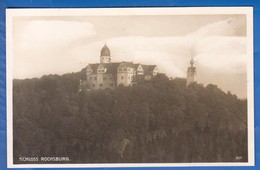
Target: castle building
x,y
107,74
191,73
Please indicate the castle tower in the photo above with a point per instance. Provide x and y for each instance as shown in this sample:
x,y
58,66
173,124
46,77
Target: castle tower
x,y
105,55
191,73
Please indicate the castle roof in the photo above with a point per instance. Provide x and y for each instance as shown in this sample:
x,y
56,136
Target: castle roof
x,y
136,65
112,67
128,64
105,51
94,67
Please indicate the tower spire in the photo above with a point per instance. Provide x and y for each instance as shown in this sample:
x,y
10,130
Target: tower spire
x,y
191,62
191,73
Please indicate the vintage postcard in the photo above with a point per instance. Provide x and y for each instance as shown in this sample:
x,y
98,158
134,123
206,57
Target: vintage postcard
x,y
130,87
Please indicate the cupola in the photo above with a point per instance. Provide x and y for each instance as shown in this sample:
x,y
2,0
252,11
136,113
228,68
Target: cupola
x,y
105,55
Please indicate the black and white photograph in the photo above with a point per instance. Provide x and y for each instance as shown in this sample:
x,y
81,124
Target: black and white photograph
x,y
130,87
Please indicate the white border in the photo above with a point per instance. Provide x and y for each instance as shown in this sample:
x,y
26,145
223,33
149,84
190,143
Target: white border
x,y
248,11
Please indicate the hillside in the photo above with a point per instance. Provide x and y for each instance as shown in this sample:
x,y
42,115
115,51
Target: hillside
x,y
156,121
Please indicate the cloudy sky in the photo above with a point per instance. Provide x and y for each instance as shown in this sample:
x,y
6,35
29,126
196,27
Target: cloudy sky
x,y
59,44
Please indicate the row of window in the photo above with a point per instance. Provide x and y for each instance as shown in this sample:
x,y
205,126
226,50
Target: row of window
x,y
122,69
139,72
110,78
95,78
104,78
101,85
101,70
129,77
125,70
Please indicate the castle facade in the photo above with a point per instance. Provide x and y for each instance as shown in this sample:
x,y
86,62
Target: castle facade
x,y
107,74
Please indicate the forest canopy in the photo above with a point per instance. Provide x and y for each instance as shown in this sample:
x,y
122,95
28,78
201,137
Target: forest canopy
x,y
156,121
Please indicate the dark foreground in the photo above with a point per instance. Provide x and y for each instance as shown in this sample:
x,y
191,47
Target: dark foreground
x,y
160,121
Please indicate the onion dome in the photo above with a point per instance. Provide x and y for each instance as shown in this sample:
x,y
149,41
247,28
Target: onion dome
x,y
105,51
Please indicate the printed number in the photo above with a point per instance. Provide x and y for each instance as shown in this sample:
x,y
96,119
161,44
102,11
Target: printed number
x,y
238,157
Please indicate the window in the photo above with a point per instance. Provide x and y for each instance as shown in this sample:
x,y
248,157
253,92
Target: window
x,y
93,85
101,85
104,78
89,71
111,84
95,78
139,72
125,69
130,78
110,78
90,78
155,71
120,69
130,70
101,70
122,77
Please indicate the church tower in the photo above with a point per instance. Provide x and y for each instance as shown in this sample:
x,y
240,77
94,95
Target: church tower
x,y
191,73
105,55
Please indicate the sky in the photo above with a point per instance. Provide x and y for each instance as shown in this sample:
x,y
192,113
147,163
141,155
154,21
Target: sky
x,y
45,45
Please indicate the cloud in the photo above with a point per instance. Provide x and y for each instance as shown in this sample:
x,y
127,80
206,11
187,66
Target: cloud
x,y
228,27
171,53
52,34
40,46
223,54
213,46
216,46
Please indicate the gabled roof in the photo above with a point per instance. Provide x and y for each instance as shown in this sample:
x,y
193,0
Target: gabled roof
x,y
148,69
136,65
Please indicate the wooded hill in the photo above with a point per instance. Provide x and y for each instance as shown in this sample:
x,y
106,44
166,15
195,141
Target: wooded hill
x,y
156,121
